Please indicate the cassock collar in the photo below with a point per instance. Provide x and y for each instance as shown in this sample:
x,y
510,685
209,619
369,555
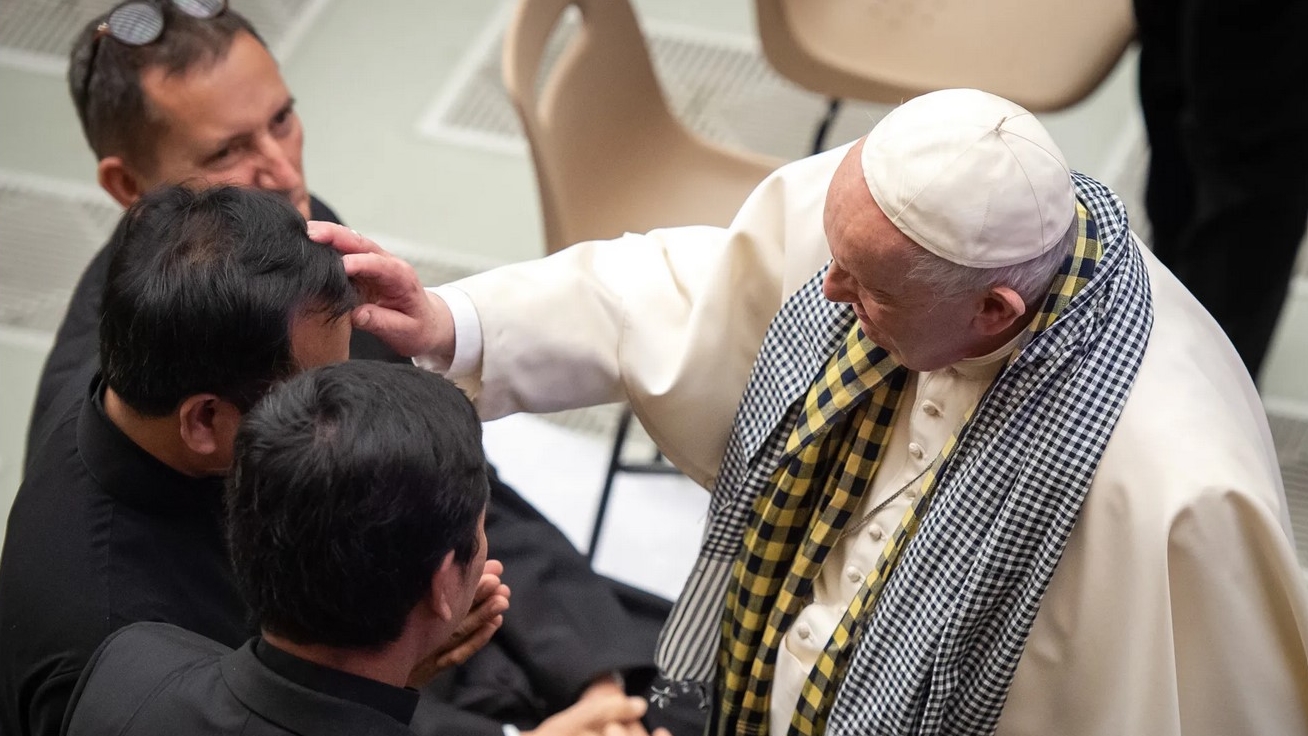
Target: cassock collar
x,y
396,702
292,706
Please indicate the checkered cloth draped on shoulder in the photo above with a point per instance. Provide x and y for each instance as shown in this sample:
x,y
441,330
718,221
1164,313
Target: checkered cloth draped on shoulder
x,y
802,454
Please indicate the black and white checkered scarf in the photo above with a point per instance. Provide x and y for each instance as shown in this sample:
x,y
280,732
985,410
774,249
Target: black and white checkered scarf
x,y
938,653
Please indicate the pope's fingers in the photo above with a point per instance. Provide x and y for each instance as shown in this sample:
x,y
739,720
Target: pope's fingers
x,y
383,269
343,239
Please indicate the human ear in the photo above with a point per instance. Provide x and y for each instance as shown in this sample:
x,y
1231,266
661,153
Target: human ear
x,y
445,583
119,181
1000,308
208,426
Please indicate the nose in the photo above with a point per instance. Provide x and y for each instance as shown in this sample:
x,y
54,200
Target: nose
x,y
276,168
835,287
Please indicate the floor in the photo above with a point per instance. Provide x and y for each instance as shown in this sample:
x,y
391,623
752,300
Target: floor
x,y
407,138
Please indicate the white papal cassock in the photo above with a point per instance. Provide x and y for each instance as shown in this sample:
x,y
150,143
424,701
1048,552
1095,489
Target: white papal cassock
x,y
1178,606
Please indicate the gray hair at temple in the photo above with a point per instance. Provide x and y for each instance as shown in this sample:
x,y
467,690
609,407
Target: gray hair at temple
x,y
1030,279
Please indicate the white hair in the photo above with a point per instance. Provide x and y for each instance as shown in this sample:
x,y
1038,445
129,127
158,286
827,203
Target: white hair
x,y
1030,279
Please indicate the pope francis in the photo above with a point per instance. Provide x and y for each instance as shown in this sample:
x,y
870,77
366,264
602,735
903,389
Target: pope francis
x,y
979,463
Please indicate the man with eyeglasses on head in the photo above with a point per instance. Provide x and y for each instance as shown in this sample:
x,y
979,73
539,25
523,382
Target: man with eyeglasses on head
x,y
185,91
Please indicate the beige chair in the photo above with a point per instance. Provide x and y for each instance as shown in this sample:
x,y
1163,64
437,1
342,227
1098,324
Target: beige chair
x,y
1042,54
610,157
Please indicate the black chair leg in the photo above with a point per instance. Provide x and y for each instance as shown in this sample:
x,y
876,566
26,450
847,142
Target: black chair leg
x,y
824,125
615,463
655,466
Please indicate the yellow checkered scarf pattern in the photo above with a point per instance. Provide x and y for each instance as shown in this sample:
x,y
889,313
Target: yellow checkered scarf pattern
x,y
834,449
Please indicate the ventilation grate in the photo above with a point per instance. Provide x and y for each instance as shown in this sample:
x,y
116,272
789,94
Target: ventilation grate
x,y
46,240
719,86
43,30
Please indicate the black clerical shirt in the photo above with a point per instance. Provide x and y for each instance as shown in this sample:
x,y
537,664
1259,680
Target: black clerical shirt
x,y
396,702
102,535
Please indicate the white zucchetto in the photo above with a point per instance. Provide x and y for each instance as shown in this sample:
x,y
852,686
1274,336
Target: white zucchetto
x,y
971,177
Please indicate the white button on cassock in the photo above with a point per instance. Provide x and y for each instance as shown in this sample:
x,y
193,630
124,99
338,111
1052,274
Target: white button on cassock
x,y
931,409
876,533
916,450
803,631
854,575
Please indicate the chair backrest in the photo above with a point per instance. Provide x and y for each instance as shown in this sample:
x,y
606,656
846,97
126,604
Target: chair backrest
x,y
1043,54
609,155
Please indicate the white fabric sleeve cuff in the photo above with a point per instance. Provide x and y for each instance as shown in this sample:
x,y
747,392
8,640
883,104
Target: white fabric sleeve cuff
x,y
467,336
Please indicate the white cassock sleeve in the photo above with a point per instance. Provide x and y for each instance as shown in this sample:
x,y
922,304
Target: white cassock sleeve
x,y
670,321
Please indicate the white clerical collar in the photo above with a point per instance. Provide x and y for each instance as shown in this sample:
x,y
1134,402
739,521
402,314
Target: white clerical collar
x,y
986,366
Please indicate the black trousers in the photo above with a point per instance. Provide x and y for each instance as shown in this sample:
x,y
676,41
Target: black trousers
x,y
1224,89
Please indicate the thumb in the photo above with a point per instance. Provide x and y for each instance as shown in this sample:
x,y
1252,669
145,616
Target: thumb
x,y
396,329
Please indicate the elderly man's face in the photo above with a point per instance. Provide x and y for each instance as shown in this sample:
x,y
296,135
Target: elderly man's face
x,y
871,262
231,123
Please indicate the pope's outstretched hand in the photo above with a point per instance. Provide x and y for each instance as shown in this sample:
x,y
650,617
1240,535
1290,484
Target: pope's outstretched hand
x,y
394,306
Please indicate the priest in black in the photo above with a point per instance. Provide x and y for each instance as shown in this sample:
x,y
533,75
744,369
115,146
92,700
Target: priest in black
x,y
211,298
205,103
355,524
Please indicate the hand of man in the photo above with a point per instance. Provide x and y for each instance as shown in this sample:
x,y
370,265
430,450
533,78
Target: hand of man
x,y
485,618
602,715
396,308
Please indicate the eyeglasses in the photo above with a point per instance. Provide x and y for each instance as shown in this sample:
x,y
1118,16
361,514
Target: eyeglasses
x,y
140,23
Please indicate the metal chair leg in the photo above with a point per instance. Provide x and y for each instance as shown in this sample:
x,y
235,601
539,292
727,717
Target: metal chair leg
x,y
824,125
655,466
615,462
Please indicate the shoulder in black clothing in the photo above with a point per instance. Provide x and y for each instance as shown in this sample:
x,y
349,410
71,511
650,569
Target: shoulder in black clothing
x,y
158,680
102,535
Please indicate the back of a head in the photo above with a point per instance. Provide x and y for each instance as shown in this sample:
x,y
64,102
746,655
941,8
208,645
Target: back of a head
x,y
202,292
115,115
351,484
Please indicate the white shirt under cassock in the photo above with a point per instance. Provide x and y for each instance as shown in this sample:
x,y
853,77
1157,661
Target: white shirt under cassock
x,y
1178,607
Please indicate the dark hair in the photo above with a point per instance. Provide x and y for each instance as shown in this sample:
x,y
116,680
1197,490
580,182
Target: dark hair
x,y
351,482
203,288
116,116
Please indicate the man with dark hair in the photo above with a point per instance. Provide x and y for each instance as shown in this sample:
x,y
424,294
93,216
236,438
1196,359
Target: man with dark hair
x,y
210,298
162,112
355,518
338,475
203,102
